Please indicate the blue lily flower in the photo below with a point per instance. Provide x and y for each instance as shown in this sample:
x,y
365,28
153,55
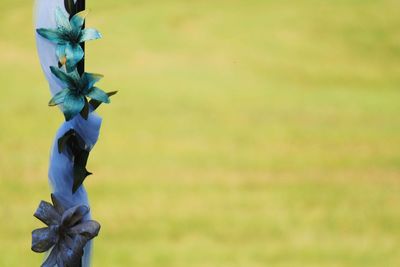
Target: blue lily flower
x,y
73,97
68,35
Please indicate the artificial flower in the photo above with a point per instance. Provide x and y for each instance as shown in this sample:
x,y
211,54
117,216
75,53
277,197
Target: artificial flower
x,y
68,36
66,234
77,88
74,145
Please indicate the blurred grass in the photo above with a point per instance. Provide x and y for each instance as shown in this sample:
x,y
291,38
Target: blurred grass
x,y
246,133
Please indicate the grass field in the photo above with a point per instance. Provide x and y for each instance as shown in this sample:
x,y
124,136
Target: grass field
x,y
246,133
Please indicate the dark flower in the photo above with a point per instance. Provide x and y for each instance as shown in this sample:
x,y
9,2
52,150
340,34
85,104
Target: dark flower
x,y
66,235
75,146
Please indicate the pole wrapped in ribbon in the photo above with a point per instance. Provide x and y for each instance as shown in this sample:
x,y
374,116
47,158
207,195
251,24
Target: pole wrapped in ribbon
x,y
60,36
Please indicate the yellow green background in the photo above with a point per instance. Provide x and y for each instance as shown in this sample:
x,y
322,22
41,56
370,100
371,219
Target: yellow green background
x,y
246,133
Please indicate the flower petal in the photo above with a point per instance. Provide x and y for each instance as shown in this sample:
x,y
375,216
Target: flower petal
x,y
89,229
64,77
74,54
51,35
74,215
98,95
51,260
80,172
58,203
76,76
73,104
44,238
59,97
71,254
60,52
89,80
89,34
47,213
95,104
78,19
62,20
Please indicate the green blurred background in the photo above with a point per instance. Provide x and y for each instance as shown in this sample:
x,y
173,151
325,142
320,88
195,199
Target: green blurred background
x,y
246,133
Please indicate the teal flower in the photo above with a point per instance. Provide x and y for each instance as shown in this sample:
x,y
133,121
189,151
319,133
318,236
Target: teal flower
x,y
68,35
77,88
